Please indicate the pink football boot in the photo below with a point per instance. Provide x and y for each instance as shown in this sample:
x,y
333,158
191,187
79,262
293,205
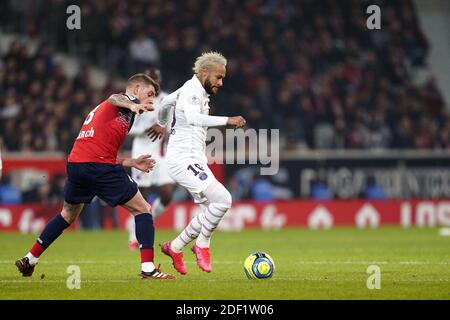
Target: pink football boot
x,y
177,258
203,257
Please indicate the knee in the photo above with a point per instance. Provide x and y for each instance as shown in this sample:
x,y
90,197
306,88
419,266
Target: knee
x,y
69,217
223,201
142,207
146,207
70,212
228,200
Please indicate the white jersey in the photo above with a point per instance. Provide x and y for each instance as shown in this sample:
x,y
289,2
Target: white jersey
x,y
186,158
143,145
190,123
141,142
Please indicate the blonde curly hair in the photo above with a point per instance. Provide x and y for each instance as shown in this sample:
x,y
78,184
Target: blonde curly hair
x,y
208,59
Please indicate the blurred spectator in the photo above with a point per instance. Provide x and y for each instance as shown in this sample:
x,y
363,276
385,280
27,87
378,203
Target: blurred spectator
x,y
57,189
404,137
320,190
38,194
9,194
240,183
144,52
280,182
372,190
262,189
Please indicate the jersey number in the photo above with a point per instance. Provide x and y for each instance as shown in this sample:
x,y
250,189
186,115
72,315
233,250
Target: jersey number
x,y
196,172
90,116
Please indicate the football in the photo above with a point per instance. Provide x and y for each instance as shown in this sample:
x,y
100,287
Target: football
x,y
259,265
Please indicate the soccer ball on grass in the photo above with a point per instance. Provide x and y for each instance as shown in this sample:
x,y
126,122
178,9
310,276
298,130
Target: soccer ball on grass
x,y
259,265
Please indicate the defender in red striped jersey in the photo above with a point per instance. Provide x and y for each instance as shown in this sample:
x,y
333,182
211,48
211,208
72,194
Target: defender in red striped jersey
x,y
94,170
102,133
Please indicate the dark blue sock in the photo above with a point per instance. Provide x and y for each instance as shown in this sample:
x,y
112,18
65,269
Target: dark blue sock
x,y
52,230
145,230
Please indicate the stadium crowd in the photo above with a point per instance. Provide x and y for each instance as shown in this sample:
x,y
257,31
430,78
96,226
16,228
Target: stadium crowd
x,y
310,68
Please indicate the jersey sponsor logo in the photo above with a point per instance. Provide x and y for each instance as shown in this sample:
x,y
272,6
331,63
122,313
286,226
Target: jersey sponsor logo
x,y
202,176
194,100
86,133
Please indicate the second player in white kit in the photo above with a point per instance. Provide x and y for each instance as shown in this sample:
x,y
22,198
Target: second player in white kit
x,y
159,177
186,158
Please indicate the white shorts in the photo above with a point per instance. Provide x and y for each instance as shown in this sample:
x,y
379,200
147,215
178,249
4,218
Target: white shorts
x,y
157,177
193,176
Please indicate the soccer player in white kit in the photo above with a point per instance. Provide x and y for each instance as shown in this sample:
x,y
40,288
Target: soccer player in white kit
x,y
186,158
159,176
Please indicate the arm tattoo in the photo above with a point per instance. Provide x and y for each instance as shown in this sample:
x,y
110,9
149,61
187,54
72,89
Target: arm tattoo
x,y
119,100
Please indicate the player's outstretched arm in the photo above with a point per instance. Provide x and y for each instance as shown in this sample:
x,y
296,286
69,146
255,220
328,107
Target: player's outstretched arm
x,y
142,163
119,100
195,118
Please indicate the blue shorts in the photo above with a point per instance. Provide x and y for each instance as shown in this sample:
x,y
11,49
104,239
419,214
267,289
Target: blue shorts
x,y
110,182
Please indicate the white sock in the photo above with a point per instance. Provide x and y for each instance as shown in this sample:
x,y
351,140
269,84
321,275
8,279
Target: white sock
x,y
147,266
32,259
157,208
191,231
177,245
202,241
211,220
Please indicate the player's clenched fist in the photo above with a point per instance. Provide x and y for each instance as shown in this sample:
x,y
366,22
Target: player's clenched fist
x,y
144,163
237,121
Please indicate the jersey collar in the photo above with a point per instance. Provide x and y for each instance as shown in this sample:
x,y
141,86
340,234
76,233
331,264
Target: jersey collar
x,y
131,97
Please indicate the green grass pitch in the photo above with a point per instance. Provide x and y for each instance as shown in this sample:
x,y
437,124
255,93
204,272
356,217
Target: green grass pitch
x,y
326,264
